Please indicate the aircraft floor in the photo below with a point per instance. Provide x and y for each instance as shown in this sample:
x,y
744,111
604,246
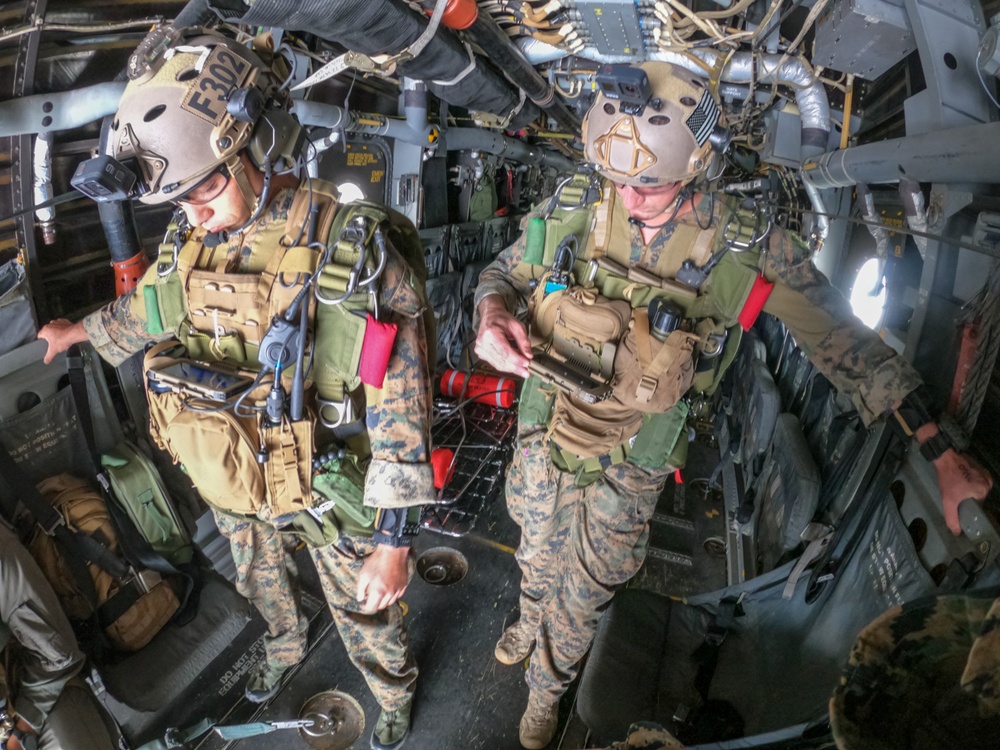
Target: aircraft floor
x,y
465,698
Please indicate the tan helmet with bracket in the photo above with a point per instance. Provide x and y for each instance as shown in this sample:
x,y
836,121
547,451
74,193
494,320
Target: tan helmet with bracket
x,y
652,124
195,106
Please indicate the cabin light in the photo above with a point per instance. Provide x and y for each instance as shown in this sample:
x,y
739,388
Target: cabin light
x,y
350,192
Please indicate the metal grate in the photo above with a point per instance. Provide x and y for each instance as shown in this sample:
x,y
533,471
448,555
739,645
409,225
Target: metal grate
x,y
482,438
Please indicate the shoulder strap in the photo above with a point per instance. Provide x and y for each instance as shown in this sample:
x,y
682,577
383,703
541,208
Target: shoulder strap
x,y
313,207
77,547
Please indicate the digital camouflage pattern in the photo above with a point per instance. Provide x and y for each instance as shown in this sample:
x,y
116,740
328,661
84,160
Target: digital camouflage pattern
x,y
925,675
645,735
267,576
376,643
397,417
577,544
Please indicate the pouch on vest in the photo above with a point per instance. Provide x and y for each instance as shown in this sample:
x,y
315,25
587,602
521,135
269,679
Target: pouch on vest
x,y
131,608
340,484
594,432
536,401
661,442
583,326
652,375
220,450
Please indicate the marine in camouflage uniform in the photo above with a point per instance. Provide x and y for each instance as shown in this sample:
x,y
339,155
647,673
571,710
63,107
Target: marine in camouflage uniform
x,y
220,185
924,675
583,535
579,543
398,419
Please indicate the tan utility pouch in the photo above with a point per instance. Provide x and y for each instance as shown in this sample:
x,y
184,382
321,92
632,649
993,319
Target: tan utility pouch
x,y
220,449
583,326
131,624
589,430
652,375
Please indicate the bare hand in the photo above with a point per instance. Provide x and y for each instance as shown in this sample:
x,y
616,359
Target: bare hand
x,y
960,477
502,340
60,335
383,578
13,743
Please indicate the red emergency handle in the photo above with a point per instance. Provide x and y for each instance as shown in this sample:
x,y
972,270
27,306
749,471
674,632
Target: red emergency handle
x,y
759,293
375,351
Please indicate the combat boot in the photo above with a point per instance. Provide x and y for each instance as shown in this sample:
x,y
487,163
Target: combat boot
x,y
539,723
392,728
516,643
264,682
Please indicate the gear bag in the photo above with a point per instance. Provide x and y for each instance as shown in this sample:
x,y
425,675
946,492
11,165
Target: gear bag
x,y
220,449
136,484
131,607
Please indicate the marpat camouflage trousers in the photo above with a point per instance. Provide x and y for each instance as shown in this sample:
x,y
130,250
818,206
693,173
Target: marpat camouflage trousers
x,y
925,675
266,575
577,545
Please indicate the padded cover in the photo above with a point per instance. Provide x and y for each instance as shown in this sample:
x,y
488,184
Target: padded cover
x,y
38,422
763,405
179,653
789,493
779,663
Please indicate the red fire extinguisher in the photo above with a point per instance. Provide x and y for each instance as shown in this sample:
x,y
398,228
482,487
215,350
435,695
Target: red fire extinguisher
x,y
480,387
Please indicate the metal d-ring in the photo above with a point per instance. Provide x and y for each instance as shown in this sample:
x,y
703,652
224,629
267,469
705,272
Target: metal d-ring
x,y
283,283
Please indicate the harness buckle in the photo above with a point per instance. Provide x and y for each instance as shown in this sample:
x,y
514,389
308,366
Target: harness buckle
x,y
342,412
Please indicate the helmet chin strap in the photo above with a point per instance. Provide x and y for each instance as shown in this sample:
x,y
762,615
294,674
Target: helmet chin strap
x,y
685,194
255,203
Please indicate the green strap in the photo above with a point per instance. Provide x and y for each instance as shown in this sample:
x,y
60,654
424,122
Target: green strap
x,y
572,463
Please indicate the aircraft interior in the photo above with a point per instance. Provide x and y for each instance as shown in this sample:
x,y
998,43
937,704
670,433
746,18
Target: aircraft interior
x,y
869,127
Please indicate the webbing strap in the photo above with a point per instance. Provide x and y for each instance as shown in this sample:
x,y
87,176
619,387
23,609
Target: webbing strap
x,y
573,463
51,522
707,654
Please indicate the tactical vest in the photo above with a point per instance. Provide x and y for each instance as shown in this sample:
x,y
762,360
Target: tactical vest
x,y
598,324
240,462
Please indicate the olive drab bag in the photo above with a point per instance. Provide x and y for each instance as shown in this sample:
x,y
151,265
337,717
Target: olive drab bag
x,y
136,485
131,606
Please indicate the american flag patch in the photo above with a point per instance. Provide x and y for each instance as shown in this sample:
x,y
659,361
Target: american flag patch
x,y
704,118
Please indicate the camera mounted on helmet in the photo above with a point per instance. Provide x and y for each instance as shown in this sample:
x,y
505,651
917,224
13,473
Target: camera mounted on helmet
x,y
195,100
628,86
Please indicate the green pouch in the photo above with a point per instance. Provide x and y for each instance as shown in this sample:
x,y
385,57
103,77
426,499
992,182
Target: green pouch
x,y
339,335
536,400
208,348
137,487
662,440
341,481
561,224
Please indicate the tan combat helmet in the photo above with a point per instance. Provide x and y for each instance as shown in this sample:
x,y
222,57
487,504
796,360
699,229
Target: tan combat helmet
x,y
189,111
667,139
